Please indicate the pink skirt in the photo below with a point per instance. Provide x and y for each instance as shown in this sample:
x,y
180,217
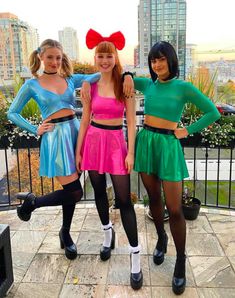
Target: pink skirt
x,y
104,151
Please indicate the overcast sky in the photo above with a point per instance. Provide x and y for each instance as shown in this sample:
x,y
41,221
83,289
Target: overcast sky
x,y
210,23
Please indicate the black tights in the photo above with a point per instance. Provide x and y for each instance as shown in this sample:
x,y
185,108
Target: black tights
x,y
121,185
173,196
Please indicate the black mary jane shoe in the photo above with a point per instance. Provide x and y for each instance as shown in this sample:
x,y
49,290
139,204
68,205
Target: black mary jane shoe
x,y
28,204
105,252
160,250
179,279
136,280
71,250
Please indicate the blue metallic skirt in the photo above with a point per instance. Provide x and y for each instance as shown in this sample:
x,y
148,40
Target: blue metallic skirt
x,y
57,150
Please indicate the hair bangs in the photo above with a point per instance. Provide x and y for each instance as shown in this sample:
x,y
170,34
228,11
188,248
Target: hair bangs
x,y
155,54
105,47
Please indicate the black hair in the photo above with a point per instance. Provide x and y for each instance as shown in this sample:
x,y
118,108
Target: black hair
x,y
160,49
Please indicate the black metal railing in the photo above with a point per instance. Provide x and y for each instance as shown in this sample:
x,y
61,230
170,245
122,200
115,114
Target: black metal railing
x,y
212,173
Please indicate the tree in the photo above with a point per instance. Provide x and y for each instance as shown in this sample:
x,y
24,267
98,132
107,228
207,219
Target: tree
x,y
84,68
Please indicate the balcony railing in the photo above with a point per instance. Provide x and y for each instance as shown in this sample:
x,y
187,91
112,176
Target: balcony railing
x,y
212,174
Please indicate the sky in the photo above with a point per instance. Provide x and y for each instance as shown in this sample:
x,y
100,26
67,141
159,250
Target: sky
x,y
209,22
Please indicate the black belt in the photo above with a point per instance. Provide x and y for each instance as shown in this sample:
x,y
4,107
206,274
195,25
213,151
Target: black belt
x,y
62,119
103,126
159,130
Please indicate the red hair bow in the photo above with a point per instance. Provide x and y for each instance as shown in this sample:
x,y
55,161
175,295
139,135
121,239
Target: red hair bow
x,y
93,38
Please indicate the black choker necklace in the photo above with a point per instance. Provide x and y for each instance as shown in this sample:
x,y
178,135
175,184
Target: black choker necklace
x,y
49,73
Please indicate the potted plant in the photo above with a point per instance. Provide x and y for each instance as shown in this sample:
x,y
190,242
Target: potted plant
x,y
190,204
11,135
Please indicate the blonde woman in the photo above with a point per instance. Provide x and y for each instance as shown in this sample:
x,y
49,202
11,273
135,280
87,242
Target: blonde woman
x,y
53,91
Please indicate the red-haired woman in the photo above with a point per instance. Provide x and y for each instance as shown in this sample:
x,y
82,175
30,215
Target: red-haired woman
x,y
102,149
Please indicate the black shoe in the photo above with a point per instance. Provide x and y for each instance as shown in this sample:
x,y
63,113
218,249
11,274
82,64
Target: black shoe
x,y
179,279
160,250
105,252
70,250
24,211
136,280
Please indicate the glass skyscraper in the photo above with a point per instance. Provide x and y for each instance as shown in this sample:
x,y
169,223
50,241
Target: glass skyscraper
x,y
162,20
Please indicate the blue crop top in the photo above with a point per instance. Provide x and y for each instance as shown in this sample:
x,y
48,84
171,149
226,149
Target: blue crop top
x,y
105,107
167,100
48,101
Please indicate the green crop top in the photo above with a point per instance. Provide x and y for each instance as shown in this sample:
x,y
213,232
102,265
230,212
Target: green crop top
x,y
166,100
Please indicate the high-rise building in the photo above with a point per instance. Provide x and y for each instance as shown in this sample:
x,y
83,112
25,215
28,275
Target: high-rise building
x,y
17,41
136,57
190,61
162,20
68,39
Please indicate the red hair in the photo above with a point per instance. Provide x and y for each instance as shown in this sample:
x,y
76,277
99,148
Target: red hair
x,y
108,47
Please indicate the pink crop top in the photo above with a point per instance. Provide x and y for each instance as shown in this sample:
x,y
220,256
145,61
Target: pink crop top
x,y
105,107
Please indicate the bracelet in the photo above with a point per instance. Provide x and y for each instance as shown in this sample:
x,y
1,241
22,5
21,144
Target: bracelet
x,y
127,73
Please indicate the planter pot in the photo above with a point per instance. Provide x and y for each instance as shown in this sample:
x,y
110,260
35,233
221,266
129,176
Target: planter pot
x,y
191,211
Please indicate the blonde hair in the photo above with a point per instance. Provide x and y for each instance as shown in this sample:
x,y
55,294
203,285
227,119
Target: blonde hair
x,y
108,47
35,61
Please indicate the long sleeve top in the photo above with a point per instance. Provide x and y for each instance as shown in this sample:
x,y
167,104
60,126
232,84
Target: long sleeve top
x,y
48,101
167,100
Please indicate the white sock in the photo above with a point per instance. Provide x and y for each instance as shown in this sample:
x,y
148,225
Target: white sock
x,y
135,259
107,234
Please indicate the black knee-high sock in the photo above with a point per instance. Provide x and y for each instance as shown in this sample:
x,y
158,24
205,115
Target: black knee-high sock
x,y
69,195
52,199
68,211
74,191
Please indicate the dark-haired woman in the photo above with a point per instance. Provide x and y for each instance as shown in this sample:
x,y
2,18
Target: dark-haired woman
x,y
158,154
53,91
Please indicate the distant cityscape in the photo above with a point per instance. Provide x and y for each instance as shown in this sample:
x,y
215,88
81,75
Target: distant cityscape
x,y
157,20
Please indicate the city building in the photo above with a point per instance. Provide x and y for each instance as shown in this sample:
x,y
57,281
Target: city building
x,y
17,41
68,39
191,61
162,20
224,69
136,57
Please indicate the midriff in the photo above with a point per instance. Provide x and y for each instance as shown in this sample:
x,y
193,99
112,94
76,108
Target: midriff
x,y
117,121
159,122
61,113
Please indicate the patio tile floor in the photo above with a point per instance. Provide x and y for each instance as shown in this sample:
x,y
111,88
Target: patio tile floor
x,y
41,269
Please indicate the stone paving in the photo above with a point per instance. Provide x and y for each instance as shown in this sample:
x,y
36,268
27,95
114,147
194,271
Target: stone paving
x,y
41,270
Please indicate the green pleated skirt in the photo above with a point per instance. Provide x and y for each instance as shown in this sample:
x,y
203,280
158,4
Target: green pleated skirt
x,y
161,155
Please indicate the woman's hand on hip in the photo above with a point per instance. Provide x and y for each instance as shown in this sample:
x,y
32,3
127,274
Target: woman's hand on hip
x,y
46,126
181,133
